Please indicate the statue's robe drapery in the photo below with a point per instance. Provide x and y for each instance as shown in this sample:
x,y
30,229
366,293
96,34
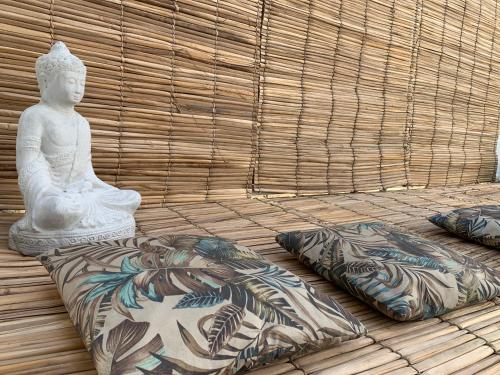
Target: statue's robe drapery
x,y
51,170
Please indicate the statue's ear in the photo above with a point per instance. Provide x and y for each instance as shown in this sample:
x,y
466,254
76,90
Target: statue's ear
x,y
43,83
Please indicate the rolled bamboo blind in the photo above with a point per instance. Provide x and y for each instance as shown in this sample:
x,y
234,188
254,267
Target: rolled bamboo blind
x,y
196,100
171,90
361,95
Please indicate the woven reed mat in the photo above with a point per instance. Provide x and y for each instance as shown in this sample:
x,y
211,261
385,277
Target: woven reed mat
x,y
36,336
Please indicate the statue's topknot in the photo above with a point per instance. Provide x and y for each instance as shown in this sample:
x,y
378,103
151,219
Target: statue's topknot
x,y
58,59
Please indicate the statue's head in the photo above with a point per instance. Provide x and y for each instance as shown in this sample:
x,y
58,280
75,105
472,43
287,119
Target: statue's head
x,y
61,76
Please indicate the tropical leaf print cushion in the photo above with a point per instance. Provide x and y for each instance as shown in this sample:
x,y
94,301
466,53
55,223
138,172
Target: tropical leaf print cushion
x,y
190,305
479,224
404,276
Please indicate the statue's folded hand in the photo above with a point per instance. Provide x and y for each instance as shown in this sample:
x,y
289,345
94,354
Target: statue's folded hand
x,y
68,204
59,212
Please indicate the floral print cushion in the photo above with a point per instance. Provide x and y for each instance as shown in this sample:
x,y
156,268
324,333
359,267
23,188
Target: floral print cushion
x,y
403,276
479,224
190,305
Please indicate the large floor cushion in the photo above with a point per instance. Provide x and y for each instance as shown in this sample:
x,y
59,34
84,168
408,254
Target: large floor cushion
x,y
190,305
480,224
402,275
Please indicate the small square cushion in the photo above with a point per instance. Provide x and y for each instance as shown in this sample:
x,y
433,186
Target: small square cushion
x,y
479,224
403,276
190,305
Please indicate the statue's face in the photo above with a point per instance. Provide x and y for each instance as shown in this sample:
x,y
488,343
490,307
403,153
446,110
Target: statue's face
x,y
65,88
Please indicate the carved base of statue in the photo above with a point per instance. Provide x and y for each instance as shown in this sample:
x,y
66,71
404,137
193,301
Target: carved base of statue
x,y
74,217
33,244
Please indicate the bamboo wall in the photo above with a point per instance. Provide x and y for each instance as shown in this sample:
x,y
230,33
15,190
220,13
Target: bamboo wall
x,y
363,95
170,90
195,100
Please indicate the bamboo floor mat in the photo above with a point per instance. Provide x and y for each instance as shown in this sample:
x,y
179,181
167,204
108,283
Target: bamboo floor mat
x,y
36,336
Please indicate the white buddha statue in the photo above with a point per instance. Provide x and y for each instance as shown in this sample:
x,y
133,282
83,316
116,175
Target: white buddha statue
x,y
66,203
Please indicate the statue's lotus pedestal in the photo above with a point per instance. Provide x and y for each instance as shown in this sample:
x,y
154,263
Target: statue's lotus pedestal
x,y
32,243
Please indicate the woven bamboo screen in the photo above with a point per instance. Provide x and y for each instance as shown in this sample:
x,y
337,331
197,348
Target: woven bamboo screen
x,y
363,95
194,100
170,94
